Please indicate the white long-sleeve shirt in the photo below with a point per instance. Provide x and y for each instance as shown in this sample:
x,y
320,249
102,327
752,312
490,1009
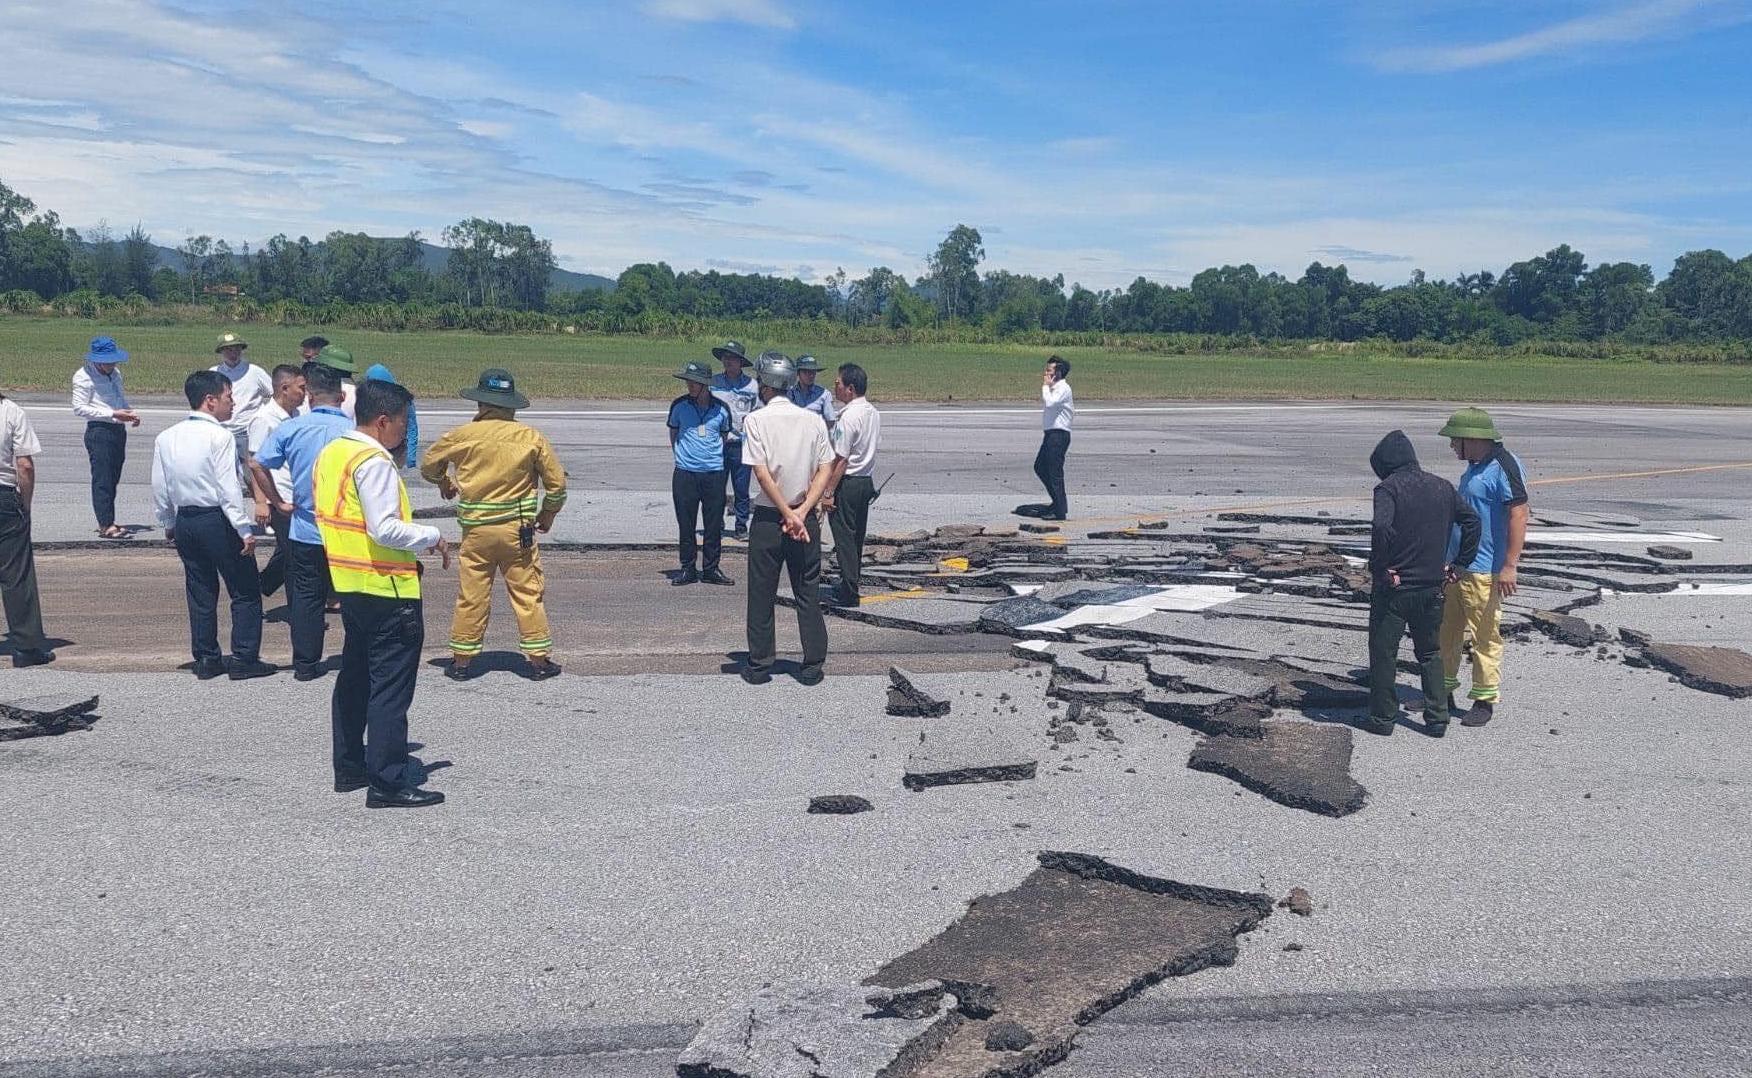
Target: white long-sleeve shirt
x,y
380,498
98,396
194,465
1057,407
251,388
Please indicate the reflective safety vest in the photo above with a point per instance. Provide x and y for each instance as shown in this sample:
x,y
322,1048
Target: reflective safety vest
x,y
356,562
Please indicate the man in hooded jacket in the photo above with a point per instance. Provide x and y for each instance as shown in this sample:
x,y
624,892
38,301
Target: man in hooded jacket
x,y
1415,515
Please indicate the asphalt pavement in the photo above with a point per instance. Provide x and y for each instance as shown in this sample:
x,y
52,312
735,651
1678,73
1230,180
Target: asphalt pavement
x,y
626,852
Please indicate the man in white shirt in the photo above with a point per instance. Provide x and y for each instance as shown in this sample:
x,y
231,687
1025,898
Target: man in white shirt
x,y
1056,410
251,388
852,486
199,500
287,399
788,452
98,399
18,582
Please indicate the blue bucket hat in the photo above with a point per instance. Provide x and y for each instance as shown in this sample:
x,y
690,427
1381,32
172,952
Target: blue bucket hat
x,y
104,350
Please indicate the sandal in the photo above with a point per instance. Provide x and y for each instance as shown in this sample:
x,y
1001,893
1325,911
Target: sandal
x,y
114,531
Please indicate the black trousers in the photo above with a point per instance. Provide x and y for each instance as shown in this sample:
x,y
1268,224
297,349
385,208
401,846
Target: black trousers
x,y
211,551
107,446
274,573
769,550
1049,465
850,521
18,582
307,590
1391,610
696,495
368,712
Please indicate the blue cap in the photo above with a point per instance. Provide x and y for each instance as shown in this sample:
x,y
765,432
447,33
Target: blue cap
x,y
104,350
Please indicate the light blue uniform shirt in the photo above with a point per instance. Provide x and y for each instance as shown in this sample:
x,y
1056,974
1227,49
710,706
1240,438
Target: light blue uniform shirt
x,y
295,445
1491,486
815,399
699,433
740,397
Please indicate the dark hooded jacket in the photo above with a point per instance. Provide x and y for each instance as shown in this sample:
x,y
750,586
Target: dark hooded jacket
x,y
1415,512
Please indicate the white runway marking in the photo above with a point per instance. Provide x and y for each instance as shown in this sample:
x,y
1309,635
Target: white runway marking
x,y
1536,535
1177,597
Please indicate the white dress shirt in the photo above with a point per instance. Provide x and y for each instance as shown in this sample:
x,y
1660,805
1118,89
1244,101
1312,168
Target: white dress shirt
x,y
251,389
265,423
791,443
16,440
856,436
1057,407
380,498
98,396
194,465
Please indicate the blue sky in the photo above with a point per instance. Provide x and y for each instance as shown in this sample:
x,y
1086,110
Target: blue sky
x,y
1098,139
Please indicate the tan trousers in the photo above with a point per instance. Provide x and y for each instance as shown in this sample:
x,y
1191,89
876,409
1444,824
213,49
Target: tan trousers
x,y
488,549
1474,608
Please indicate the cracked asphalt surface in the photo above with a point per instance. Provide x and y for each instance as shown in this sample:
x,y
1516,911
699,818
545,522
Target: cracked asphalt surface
x,y
626,852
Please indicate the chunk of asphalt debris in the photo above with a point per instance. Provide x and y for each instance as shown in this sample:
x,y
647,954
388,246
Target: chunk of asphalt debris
x,y
958,531
967,757
839,804
1564,628
1007,1037
1670,553
1303,765
906,697
937,617
1010,616
41,716
1208,712
1077,937
1184,675
811,1029
1121,683
1038,529
1724,671
1635,638
1298,902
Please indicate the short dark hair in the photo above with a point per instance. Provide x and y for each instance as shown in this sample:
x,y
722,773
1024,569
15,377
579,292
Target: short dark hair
x,y
285,371
200,385
314,342
853,378
322,380
1061,365
380,398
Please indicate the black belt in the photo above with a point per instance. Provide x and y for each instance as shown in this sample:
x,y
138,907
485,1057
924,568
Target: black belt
x,y
197,510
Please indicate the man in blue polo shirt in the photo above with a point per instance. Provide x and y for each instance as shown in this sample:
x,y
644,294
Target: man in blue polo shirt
x,y
1493,485
698,425
295,445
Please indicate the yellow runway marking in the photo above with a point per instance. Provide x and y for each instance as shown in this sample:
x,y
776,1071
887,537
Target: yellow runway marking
x,y
910,593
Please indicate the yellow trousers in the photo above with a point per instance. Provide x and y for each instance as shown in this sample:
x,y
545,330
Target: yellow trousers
x,y
488,549
1474,608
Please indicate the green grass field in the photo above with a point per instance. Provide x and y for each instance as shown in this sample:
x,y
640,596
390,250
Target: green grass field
x,y
42,353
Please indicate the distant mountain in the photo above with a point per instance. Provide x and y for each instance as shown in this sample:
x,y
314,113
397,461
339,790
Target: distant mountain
x,y
433,259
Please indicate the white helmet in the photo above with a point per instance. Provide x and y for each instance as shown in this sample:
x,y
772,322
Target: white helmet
x,y
775,370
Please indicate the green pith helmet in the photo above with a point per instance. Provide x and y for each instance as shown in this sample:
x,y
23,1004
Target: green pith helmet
x,y
337,358
695,372
1471,423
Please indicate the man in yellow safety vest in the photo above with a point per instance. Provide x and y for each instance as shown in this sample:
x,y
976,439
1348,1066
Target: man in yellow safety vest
x,y
372,543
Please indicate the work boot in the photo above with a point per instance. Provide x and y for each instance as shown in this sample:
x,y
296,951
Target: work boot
x,y
541,671
716,576
456,671
1435,727
689,575
1383,727
1482,712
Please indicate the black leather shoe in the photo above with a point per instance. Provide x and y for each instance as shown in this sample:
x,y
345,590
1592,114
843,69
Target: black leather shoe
x,y
208,669
241,671
1436,729
810,675
1031,509
755,677
346,784
1384,727
1052,516
457,672
716,576
32,657
306,673
543,671
405,797
690,575
740,534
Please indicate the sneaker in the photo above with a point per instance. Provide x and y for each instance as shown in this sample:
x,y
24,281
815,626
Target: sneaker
x,y
1482,712
244,671
756,676
811,675
32,657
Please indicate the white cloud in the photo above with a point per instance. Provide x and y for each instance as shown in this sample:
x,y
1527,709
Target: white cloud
x,y
1626,24
752,12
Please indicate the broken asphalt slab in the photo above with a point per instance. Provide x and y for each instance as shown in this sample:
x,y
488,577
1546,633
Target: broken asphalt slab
x,y
40,716
1304,765
1077,937
911,696
1724,671
817,1030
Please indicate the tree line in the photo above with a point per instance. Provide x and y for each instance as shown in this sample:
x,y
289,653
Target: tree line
x,y
498,275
